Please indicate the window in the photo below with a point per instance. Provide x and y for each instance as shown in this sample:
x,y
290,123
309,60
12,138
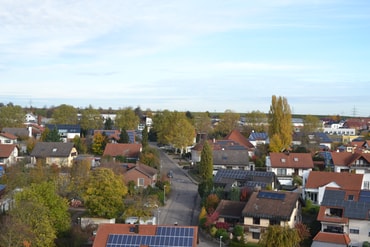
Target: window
x,y
256,220
281,172
354,231
274,222
350,197
366,185
140,182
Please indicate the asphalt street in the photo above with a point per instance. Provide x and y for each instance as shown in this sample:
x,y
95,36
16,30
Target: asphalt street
x,y
182,205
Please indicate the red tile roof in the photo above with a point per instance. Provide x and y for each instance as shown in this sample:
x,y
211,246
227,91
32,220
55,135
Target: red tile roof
x,y
322,217
291,160
236,136
146,230
6,150
334,238
8,135
347,181
122,149
347,158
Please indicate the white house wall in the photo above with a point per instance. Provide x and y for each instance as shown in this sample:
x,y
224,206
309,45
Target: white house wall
x,y
364,230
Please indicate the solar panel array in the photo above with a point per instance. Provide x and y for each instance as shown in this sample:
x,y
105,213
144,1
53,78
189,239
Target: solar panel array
x,y
165,236
271,195
364,196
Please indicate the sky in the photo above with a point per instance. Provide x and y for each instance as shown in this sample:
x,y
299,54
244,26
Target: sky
x,y
209,55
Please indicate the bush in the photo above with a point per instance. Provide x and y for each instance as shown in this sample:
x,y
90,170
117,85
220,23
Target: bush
x,y
213,231
222,225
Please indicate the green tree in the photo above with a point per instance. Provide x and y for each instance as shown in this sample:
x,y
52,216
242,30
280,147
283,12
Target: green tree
x,y
11,116
80,144
51,135
202,123
55,206
150,157
29,222
123,136
162,125
256,120
65,114
91,119
104,193
99,143
280,124
311,124
229,120
78,176
278,236
108,124
183,134
206,162
174,128
126,119
145,137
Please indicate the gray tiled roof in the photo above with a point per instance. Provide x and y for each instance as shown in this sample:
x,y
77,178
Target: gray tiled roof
x,y
231,157
352,209
52,149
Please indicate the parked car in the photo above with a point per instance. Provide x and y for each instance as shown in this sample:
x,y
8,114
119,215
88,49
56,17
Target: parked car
x,y
170,174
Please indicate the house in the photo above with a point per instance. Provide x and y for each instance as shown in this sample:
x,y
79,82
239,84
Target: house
x,y
230,211
243,178
315,182
31,118
351,162
287,165
265,208
258,138
131,151
22,133
234,140
7,138
142,175
344,217
237,159
66,131
8,154
60,154
237,137
313,139
114,135
128,235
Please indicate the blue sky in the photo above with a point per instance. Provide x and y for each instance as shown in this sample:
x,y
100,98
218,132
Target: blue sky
x,y
191,55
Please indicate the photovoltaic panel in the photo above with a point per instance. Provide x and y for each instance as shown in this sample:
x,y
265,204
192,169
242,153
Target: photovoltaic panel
x,y
165,236
271,195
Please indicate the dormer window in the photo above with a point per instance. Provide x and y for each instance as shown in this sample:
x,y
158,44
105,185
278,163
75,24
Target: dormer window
x,y
54,150
295,159
283,160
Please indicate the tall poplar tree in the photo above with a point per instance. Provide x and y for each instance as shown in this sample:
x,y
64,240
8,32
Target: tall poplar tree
x,y
280,124
206,162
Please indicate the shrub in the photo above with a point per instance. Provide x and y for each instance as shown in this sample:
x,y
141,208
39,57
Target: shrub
x,y
222,225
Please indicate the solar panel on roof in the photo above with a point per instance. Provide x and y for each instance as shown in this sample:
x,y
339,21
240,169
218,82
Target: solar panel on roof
x,y
364,196
271,195
165,236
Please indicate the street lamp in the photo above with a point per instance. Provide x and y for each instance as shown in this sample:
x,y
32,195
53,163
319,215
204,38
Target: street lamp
x,y
164,194
220,241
